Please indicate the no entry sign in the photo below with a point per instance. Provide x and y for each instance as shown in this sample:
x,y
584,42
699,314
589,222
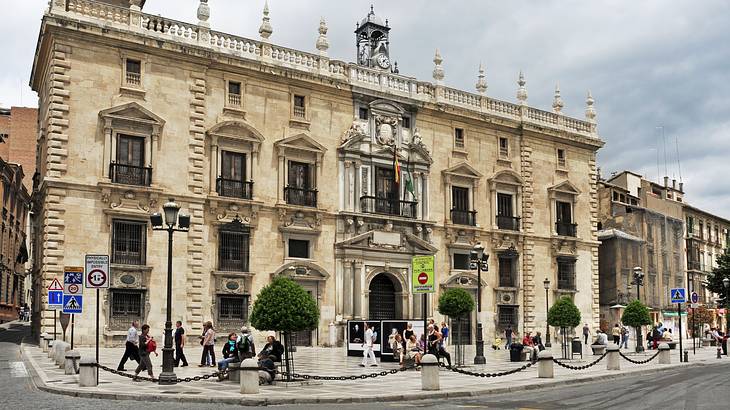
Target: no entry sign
x,y
422,274
97,271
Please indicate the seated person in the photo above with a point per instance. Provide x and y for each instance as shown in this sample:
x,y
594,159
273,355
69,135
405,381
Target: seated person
x,y
601,338
396,344
413,350
272,347
267,370
230,353
528,346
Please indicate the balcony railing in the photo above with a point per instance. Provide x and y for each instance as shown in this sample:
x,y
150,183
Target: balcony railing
x,y
510,223
462,217
299,112
300,196
234,100
386,206
234,188
134,79
566,228
130,174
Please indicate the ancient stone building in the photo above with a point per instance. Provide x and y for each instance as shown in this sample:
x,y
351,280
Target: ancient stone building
x,y
294,163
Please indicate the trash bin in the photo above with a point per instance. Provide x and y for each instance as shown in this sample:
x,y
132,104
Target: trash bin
x,y
515,352
576,347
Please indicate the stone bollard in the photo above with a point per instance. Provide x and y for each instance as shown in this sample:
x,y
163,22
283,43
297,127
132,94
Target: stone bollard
x,y
234,374
44,342
665,356
430,373
249,378
50,349
59,353
545,365
612,358
87,372
72,362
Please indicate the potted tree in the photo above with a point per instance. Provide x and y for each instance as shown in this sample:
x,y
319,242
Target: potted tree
x,y
456,303
636,315
284,306
565,315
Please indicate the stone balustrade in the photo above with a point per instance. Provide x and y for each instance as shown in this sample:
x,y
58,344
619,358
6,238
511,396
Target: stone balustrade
x,y
201,35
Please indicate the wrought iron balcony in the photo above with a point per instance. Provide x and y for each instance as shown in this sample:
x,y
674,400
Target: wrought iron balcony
x,y
234,188
300,196
462,217
510,223
386,206
130,174
566,228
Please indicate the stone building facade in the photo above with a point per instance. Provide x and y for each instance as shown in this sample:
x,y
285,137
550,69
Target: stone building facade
x,y
291,163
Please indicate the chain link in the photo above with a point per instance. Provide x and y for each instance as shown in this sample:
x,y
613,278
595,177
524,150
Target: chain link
x,y
639,361
131,376
567,366
343,378
498,374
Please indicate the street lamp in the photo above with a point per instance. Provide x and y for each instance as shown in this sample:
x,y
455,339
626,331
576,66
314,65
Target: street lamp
x,y
726,283
638,281
546,284
479,259
172,223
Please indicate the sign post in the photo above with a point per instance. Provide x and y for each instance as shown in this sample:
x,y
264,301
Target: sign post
x,y
55,300
694,298
97,277
422,281
679,296
73,280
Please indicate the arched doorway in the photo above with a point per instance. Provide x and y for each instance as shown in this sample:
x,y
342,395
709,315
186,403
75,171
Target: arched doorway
x,y
382,303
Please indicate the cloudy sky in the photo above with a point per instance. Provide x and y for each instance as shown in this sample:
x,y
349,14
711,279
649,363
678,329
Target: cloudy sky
x,y
648,63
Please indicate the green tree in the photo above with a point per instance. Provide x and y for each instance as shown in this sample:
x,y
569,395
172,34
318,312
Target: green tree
x,y
722,271
284,306
636,315
564,313
456,303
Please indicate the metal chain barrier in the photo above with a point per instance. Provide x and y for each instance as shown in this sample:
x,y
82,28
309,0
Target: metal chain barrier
x,y
638,361
343,378
498,374
131,376
567,366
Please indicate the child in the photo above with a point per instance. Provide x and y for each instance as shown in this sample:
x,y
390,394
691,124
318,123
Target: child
x,y
497,345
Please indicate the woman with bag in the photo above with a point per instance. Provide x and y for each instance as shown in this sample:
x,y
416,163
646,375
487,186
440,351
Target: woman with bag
x,y
208,343
144,353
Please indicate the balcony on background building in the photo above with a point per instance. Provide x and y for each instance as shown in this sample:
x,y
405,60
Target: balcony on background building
x,y
130,174
566,228
234,188
510,223
386,206
300,196
462,217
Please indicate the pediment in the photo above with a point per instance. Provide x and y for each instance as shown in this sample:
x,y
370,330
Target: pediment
x,y
389,241
301,142
132,111
507,176
464,170
302,270
565,187
386,106
236,130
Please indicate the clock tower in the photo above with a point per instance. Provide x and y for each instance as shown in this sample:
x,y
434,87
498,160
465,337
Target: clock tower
x,y
372,42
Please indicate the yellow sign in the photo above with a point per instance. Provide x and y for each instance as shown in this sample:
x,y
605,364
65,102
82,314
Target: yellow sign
x,y
422,274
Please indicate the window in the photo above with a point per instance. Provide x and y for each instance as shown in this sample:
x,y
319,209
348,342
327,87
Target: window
x,y
233,248
129,240
566,273
507,265
232,310
299,188
298,248
129,165
507,316
459,138
299,107
561,158
505,213
363,113
564,224
133,73
234,93
461,261
503,147
232,180
460,210
126,306
406,122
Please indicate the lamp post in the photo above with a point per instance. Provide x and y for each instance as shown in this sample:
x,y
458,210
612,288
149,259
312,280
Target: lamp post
x,y
172,223
546,284
726,283
638,281
479,259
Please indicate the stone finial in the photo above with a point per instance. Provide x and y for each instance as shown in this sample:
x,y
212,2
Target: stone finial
x,y
135,5
322,43
521,91
265,30
438,71
590,110
557,101
203,13
481,82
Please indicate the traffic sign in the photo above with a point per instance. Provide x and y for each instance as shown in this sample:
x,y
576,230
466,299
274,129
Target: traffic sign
x,y
97,271
55,285
422,274
72,304
678,295
55,299
73,275
72,289
694,298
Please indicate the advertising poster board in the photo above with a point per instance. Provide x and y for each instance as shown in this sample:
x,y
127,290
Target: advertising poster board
x,y
399,326
356,333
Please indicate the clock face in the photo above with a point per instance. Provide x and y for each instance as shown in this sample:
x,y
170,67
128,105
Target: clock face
x,y
383,61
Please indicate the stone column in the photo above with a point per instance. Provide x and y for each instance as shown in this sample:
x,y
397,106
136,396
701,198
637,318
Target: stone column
x,y
545,365
153,141
347,287
348,186
612,358
357,289
107,152
282,173
426,210
249,381
213,165
447,199
430,373
665,356
358,189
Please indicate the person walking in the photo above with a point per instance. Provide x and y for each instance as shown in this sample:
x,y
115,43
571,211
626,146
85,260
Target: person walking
x,y
624,337
208,345
586,333
180,344
508,336
144,356
445,332
616,333
368,347
131,351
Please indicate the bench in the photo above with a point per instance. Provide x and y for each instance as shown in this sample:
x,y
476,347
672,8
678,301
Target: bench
x,y
672,345
598,350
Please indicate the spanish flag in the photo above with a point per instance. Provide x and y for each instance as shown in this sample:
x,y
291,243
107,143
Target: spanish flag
x,y
396,166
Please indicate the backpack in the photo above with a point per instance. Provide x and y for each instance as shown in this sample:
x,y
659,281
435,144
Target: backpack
x,y
151,346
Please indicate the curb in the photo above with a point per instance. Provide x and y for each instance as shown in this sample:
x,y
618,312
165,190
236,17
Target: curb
x,y
268,401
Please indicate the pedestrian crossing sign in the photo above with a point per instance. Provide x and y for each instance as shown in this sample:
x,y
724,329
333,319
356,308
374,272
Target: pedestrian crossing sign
x,y
72,304
678,295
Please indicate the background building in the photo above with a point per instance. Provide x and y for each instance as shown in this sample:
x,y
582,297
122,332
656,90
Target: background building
x,y
291,163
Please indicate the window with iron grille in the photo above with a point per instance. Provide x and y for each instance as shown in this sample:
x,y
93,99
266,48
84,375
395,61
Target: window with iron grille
x,y
233,248
233,308
127,305
298,248
566,273
461,261
129,242
459,138
507,316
